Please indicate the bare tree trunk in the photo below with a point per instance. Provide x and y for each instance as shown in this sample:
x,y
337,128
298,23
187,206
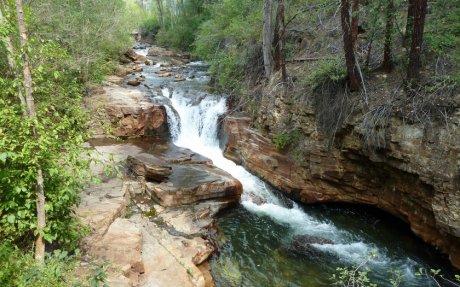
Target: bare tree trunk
x,y
387,56
267,38
354,22
276,40
348,46
161,12
12,64
413,70
409,22
281,62
41,220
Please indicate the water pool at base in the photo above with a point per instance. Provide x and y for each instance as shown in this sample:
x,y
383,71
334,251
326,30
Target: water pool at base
x,y
254,250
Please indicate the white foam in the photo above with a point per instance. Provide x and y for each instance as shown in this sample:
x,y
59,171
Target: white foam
x,y
198,131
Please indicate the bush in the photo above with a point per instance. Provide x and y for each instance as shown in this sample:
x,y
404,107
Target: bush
x,y
327,71
286,139
59,269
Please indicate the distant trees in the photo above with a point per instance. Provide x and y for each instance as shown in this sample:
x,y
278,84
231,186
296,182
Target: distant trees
x,y
93,30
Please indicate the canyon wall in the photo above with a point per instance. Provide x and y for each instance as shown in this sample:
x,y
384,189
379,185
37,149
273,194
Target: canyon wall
x,y
416,177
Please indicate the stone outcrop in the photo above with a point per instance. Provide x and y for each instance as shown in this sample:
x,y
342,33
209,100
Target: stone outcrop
x,y
149,167
416,178
147,244
192,183
133,56
183,181
125,112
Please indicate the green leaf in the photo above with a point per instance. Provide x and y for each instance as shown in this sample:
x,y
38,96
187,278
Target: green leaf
x,y
11,218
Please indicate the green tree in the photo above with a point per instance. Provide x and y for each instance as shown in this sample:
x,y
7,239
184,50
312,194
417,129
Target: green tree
x,y
40,150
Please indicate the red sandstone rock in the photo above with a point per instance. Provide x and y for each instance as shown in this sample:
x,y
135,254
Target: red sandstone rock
x,y
406,190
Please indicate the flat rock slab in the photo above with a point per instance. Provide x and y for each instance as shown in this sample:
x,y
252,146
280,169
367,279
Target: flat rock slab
x,y
121,245
195,182
170,261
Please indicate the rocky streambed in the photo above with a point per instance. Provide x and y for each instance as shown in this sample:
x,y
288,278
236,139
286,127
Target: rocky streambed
x,y
153,221
156,223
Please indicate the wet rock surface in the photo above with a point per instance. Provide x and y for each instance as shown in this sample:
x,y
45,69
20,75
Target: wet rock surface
x,y
307,246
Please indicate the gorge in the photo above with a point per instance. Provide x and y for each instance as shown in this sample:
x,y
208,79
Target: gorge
x,y
272,240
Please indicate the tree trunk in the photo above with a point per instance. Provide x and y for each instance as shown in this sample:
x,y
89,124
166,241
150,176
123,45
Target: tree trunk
x,y
41,221
12,64
267,38
413,70
409,22
276,44
354,22
161,12
348,46
387,56
280,60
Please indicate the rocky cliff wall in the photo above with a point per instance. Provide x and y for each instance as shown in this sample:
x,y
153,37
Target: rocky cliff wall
x,y
416,177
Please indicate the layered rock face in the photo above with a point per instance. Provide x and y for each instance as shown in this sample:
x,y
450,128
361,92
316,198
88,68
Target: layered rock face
x,y
153,226
127,113
416,178
183,183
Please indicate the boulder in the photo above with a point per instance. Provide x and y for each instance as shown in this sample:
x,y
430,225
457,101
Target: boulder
x,y
127,113
134,82
179,78
304,245
193,183
149,166
165,74
133,56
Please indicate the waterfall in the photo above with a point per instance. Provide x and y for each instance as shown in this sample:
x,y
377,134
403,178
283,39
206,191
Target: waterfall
x,y
198,126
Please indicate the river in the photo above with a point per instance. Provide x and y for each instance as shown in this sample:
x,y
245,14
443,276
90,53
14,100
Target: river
x,y
256,238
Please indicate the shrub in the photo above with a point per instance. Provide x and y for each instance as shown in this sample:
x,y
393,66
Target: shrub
x,y
285,139
327,71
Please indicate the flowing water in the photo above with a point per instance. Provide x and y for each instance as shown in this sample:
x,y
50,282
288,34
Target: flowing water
x,y
255,237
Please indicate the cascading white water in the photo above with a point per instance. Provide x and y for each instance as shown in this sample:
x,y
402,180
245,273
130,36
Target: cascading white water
x,y
199,117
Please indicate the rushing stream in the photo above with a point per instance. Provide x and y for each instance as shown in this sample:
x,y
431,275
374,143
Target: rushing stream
x,y
255,237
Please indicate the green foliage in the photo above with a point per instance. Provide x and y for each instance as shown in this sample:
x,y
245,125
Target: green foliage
x,y
61,129
326,71
20,269
150,26
443,34
225,40
93,34
181,23
352,277
97,276
285,139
